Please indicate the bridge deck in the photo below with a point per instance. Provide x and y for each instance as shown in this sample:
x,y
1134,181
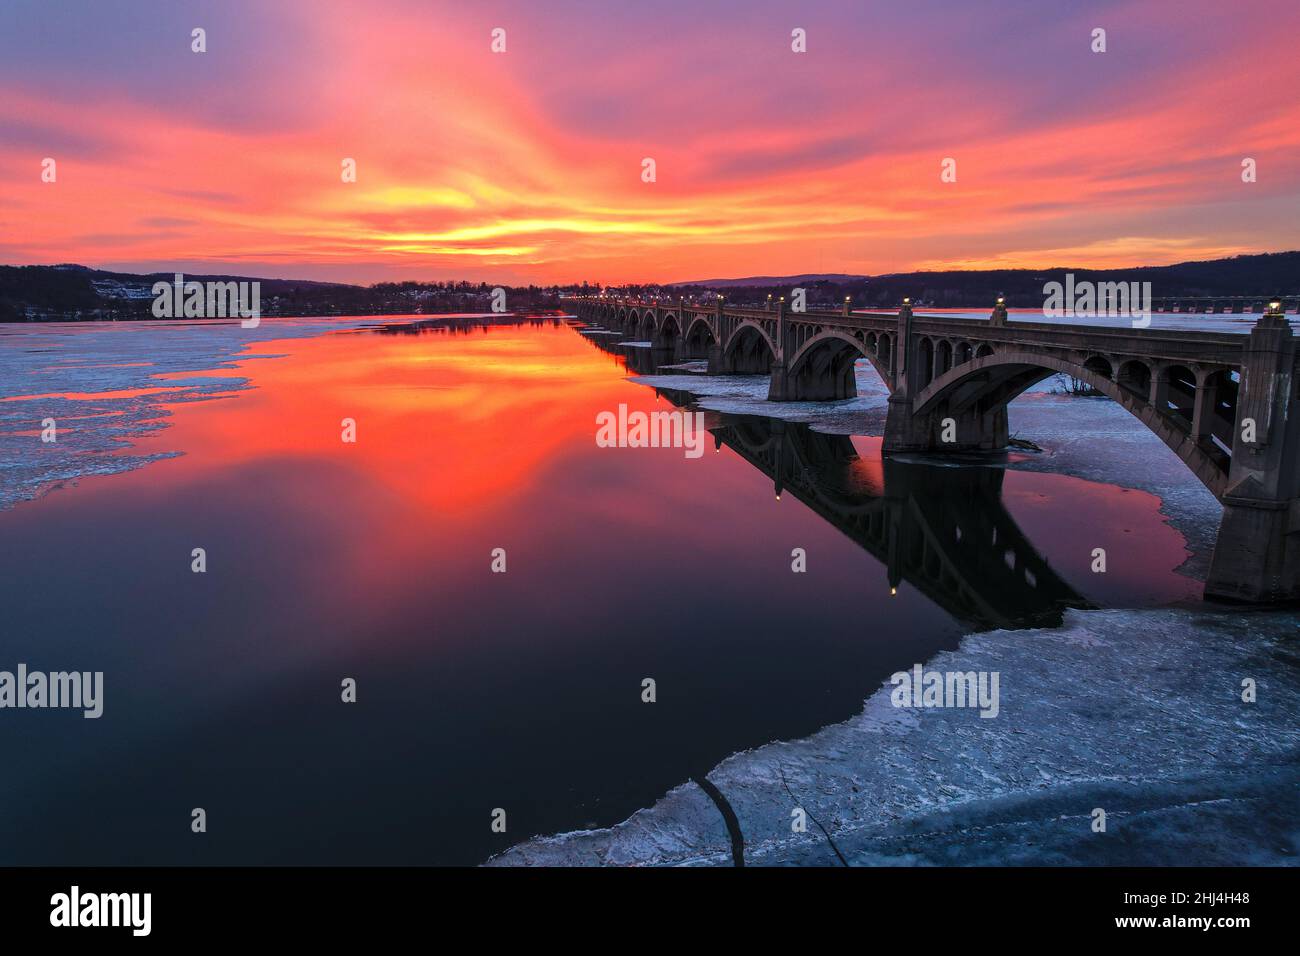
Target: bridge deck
x,y
1218,348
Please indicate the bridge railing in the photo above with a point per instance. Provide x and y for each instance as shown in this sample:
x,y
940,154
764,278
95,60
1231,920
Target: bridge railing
x,y
1182,343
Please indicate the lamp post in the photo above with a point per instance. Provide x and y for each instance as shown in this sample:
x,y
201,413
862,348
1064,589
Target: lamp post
x,y
999,316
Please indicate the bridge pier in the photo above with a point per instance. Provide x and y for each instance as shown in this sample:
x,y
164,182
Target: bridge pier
x,y
1257,554
941,430
714,357
826,382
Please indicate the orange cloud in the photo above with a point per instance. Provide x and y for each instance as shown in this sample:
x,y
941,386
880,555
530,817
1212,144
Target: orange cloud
x,y
527,166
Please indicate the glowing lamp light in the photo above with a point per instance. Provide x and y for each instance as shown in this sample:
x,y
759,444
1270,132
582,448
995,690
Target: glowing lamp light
x,y
1000,300
907,302
1275,305
893,591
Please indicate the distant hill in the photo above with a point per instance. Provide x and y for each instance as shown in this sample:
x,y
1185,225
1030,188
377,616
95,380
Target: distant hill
x,y
74,292
1264,275
771,280
67,292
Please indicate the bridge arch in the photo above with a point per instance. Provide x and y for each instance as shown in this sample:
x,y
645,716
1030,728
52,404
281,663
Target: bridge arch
x,y
1176,392
989,383
822,368
748,350
1219,412
925,362
645,329
699,338
1134,375
943,357
1101,365
668,332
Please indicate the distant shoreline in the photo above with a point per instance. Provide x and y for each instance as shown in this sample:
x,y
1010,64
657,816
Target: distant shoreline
x,y
75,293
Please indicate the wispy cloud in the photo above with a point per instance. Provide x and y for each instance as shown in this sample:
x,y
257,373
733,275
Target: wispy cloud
x,y
526,166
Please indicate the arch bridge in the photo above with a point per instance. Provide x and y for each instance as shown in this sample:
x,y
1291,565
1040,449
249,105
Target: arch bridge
x,y
1227,404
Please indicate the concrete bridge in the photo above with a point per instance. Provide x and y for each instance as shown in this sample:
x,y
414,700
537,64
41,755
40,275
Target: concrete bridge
x,y
1214,304
1227,404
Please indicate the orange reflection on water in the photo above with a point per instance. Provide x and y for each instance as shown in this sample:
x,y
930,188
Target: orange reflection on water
x,y
91,396
484,438
450,423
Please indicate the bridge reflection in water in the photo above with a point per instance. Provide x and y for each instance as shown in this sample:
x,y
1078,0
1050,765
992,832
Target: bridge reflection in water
x,y
944,531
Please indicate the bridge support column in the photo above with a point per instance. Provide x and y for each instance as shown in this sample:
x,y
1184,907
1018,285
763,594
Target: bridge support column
x,y
660,355
1159,394
940,431
823,382
780,387
677,350
1257,554
715,359
1207,395
901,431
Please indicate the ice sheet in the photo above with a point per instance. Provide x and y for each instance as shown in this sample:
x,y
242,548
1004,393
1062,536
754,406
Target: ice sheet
x,y
1138,713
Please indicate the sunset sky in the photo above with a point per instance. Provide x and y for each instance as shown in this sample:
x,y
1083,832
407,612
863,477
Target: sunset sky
x,y
525,166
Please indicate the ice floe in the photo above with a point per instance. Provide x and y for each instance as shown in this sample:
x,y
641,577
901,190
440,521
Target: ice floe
x,y
106,382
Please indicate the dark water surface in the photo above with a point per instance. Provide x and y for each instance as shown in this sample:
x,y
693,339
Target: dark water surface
x,y
476,690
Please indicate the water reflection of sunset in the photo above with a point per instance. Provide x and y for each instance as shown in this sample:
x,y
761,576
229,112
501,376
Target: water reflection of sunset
x,y
457,430
448,430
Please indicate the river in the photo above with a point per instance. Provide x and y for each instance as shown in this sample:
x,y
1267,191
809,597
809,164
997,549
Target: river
x,y
480,690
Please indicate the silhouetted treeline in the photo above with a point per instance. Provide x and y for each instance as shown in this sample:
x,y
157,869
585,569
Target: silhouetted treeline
x,y
1263,275
71,293
53,289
